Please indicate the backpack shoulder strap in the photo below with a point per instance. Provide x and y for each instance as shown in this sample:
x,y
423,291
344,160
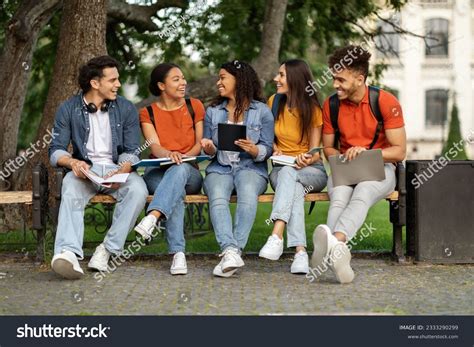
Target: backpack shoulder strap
x,y
189,105
149,108
275,104
334,113
374,94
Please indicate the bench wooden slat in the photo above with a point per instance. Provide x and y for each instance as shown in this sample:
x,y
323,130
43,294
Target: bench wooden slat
x,y
19,197
200,198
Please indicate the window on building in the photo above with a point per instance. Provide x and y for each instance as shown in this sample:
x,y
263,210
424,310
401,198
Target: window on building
x,y
387,41
437,32
436,107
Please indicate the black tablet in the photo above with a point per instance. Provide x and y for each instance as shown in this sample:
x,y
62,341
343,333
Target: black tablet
x,y
227,134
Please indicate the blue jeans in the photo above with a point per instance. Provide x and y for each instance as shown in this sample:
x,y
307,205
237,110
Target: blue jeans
x,y
291,185
169,187
76,193
248,186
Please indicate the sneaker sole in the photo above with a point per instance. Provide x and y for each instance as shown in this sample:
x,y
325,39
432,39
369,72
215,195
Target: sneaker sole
x,y
96,268
320,246
231,268
65,269
224,274
269,256
342,266
179,271
299,272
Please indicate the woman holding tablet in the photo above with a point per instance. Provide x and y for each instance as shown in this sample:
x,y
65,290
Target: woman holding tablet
x,y
239,102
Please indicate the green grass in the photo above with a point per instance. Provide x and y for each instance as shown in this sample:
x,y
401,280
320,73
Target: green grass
x,y
380,240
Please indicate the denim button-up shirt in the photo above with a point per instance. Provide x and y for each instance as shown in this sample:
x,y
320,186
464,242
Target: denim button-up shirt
x,y
71,125
260,129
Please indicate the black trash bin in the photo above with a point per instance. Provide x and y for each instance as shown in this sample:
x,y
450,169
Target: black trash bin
x,y
440,210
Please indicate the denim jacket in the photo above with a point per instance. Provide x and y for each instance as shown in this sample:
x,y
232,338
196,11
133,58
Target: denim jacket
x,y
260,129
71,125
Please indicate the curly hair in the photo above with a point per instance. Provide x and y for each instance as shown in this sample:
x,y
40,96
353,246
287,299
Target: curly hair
x,y
298,73
350,57
247,86
94,68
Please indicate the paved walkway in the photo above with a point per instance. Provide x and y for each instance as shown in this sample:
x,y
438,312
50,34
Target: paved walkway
x,y
144,287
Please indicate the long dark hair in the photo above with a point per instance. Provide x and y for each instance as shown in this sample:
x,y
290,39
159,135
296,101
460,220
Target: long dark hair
x,y
298,75
247,86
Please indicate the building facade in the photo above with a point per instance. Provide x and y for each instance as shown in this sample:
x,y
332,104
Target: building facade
x,y
430,74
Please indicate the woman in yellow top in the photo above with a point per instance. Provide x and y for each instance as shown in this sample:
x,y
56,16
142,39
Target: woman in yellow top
x,y
298,128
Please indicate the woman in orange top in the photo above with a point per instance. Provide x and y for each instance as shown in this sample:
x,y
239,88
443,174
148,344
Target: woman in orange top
x,y
173,134
298,128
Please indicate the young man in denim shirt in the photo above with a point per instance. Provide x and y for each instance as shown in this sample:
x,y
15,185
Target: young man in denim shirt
x,y
103,129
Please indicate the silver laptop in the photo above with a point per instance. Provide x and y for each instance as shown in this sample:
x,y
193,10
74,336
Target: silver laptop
x,y
367,166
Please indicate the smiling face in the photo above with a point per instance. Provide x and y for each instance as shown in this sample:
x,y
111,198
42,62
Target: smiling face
x,y
347,83
108,85
280,80
226,84
174,85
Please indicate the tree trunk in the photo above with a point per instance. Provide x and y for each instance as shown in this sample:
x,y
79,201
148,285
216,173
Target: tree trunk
x,y
81,37
15,61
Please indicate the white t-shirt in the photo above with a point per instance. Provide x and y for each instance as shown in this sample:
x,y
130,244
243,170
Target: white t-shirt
x,y
99,144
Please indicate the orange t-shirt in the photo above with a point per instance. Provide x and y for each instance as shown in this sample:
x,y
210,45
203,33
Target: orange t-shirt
x,y
357,124
175,128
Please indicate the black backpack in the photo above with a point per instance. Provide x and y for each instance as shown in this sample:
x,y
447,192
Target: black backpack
x,y
188,105
374,94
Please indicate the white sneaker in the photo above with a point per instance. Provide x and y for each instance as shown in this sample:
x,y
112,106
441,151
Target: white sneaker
x,y
300,264
146,226
100,259
66,265
178,266
340,263
218,271
231,260
323,241
229,263
273,249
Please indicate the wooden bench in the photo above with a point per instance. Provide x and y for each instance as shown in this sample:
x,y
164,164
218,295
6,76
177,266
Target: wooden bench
x,y
397,205
38,198
202,199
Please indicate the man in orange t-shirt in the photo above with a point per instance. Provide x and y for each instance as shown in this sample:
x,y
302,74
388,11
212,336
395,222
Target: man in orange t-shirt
x,y
357,125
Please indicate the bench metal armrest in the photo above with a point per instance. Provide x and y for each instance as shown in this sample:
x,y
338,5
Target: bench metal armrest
x,y
40,196
59,173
